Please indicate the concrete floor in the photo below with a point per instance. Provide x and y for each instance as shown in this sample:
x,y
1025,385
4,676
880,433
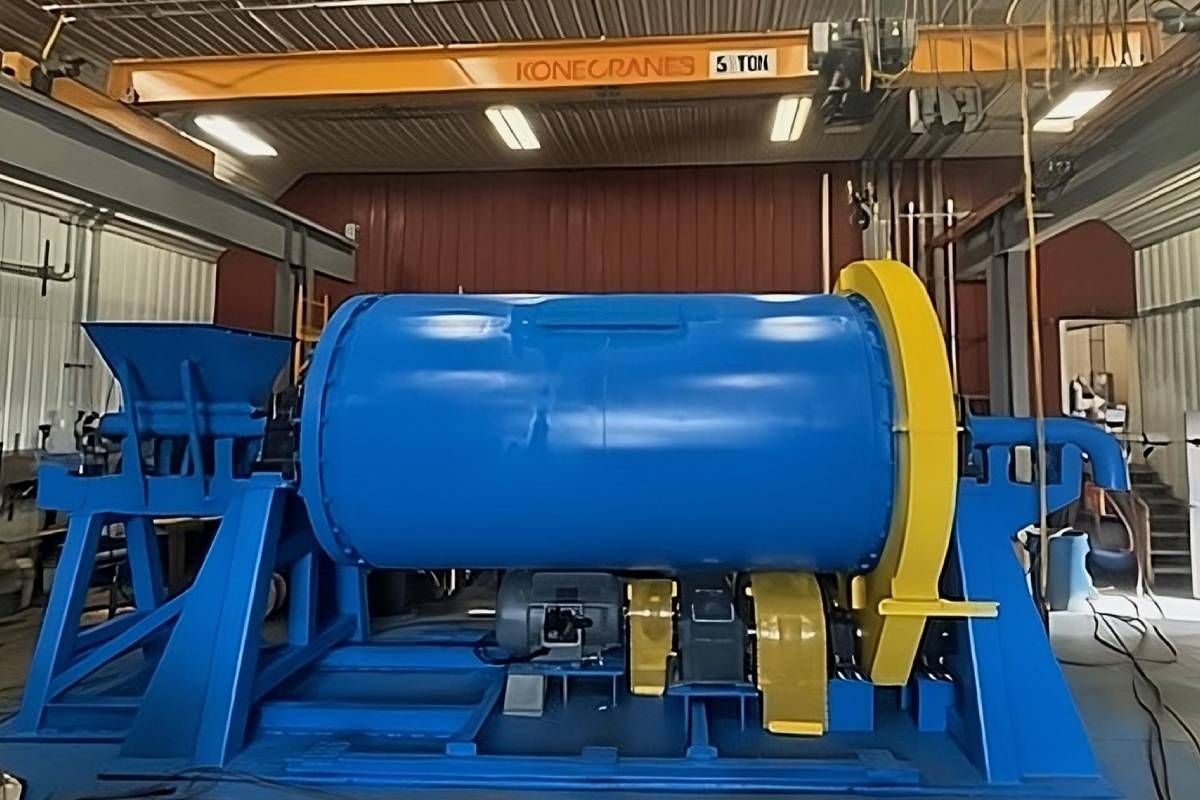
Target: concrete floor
x,y
1117,726
17,636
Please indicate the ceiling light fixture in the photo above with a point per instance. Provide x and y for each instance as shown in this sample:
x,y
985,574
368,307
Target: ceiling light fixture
x,y
1062,118
513,128
790,115
231,133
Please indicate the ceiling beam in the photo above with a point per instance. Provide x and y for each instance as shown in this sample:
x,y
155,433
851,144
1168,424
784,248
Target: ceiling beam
x,y
48,144
131,121
1139,154
677,63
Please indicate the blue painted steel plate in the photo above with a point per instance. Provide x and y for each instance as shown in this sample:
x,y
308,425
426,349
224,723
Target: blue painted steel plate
x,y
663,432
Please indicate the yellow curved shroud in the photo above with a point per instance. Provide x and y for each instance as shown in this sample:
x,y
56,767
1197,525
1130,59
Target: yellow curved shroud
x,y
902,591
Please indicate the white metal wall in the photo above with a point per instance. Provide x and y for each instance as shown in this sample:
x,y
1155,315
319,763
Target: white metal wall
x,y
35,331
140,280
1169,209
1168,345
119,273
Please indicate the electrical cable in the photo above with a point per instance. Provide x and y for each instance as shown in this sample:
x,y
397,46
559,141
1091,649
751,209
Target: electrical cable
x,y
1110,42
1091,39
1156,740
1035,321
1143,624
482,647
1162,637
1048,32
1126,52
1109,646
1154,599
1156,749
219,775
1146,14
137,793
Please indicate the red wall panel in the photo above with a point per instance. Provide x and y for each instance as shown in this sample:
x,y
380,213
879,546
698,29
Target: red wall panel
x,y
695,229
738,229
245,291
1086,272
972,182
971,313
702,229
753,228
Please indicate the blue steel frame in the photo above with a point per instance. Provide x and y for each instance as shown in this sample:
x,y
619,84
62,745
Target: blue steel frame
x,y
1005,665
204,684
188,429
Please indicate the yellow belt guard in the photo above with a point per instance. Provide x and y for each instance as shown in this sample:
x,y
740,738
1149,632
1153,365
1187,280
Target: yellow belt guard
x,y
651,630
791,652
902,591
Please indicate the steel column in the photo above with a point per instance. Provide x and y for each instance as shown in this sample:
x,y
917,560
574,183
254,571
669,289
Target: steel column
x,y
1008,334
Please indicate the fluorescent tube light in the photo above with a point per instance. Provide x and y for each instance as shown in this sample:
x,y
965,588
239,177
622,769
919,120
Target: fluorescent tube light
x,y
1062,118
790,115
513,128
226,131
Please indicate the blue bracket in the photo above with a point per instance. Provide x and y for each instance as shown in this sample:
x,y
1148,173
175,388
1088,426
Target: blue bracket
x,y
196,710
851,705
1019,721
934,699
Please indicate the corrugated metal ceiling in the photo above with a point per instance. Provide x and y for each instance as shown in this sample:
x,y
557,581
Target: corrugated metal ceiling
x,y
603,132
158,28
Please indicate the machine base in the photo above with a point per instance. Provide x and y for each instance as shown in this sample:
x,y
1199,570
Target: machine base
x,y
413,708
196,687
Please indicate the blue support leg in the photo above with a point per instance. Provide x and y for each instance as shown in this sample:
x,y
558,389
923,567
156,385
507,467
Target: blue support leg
x,y
60,626
143,627
302,599
145,563
352,600
1018,720
197,705
1017,686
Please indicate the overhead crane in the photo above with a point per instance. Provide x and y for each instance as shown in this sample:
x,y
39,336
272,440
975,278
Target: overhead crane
x,y
678,66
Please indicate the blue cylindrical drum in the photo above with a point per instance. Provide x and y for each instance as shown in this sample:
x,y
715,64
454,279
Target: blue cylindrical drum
x,y
639,432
